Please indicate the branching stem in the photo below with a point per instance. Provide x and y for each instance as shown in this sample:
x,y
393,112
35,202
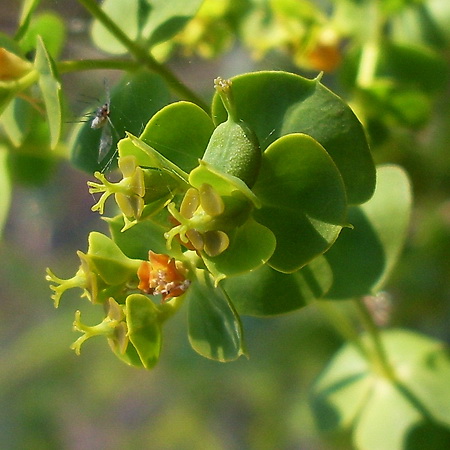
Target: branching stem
x,y
142,56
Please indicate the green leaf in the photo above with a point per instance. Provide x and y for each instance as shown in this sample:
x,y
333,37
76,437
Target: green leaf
x,y
223,183
130,357
267,292
153,21
51,90
30,169
413,65
168,18
133,101
440,14
303,197
5,188
52,29
144,328
154,159
274,104
363,257
125,14
407,106
251,245
387,413
32,163
17,119
28,8
136,241
419,24
215,330
180,132
349,394
111,264
404,66
425,370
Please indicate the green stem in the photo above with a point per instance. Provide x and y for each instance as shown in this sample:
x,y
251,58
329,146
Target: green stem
x,y
371,47
342,325
379,355
96,64
380,358
142,56
367,64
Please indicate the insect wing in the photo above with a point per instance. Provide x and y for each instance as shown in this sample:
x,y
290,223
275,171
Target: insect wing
x,y
106,139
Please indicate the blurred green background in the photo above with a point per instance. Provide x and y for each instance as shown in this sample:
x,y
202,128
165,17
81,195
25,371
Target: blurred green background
x,y
52,399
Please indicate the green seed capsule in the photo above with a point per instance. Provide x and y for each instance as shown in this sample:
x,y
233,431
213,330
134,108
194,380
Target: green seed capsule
x,y
233,147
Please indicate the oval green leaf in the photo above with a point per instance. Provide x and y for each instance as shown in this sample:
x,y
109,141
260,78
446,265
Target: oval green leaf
x,y
303,198
144,328
111,264
136,241
180,131
215,330
52,29
251,245
350,394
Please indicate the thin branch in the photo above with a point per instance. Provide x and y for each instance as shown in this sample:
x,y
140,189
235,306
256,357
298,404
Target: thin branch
x,y
143,56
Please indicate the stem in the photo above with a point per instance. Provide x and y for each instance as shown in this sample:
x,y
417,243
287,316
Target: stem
x,y
379,354
142,56
342,325
367,64
95,64
371,48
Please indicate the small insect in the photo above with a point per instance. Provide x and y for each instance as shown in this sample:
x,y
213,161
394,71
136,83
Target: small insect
x,y
102,120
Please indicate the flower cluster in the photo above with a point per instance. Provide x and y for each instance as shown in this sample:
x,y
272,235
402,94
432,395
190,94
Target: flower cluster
x,y
226,210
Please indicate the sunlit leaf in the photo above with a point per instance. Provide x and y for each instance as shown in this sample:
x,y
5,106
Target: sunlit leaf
x,y
144,329
125,13
180,132
349,393
152,21
251,246
215,330
303,200
168,18
110,263
52,29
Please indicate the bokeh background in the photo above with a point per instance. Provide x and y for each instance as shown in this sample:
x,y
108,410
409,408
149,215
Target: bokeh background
x,y
52,399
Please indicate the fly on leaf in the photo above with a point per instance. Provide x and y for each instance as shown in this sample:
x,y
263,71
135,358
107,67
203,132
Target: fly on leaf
x,y
102,120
